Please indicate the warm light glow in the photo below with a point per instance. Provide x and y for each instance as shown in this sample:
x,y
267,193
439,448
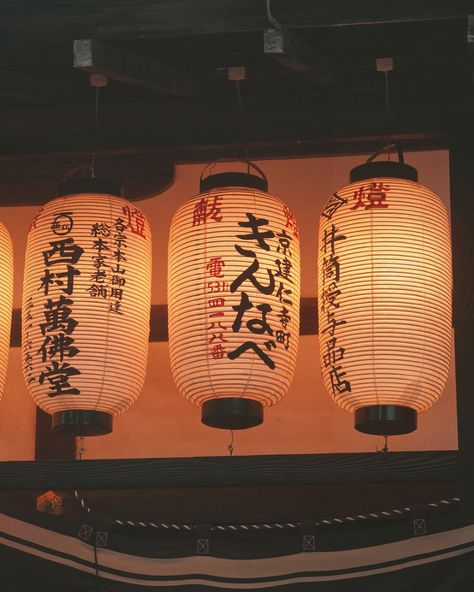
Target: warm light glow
x,y
385,294
86,304
6,300
230,335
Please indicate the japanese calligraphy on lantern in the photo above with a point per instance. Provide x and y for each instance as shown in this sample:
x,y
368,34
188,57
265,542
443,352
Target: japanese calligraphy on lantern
x,y
237,336
378,255
216,329
366,196
329,308
255,322
118,267
86,304
57,284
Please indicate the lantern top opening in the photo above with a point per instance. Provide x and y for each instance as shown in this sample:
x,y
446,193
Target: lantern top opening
x,y
90,185
233,179
383,168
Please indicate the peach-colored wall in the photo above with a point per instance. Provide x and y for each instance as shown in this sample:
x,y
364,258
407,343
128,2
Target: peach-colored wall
x,y
162,423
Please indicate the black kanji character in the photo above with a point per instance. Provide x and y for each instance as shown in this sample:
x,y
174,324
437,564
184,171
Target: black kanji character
x,y
251,345
63,251
254,224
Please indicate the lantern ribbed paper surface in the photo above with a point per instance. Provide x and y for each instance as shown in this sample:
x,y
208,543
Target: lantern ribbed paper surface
x,y
86,307
6,300
233,297
384,298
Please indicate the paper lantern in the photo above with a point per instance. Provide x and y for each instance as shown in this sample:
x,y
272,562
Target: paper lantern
x,y
86,306
384,297
233,299
6,300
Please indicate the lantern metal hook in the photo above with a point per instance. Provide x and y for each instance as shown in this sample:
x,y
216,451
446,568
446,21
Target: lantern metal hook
x,y
387,146
210,165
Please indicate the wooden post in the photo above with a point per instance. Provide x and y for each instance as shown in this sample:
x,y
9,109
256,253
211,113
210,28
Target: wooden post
x,y
462,222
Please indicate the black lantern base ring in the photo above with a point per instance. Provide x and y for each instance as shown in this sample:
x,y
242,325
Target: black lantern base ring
x,y
82,422
385,420
232,413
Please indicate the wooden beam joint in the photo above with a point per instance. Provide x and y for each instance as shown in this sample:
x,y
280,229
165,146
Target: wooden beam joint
x,y
295,54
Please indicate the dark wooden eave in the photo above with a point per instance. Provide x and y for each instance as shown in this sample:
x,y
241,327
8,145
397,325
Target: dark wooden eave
x,y
243,471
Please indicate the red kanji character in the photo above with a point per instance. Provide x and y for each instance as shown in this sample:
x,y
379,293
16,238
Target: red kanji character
x,y
291,221
371,196
136,220
213,324
215,266
215,302
37,215
217,352
203,210
219,336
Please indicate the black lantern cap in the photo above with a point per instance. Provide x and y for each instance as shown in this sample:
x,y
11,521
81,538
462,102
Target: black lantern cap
x,y
385,420
232,413
90,185
383,168
233,179
82,422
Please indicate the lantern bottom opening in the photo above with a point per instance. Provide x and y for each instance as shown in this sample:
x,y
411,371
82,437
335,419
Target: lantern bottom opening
x,y
82,422
232,413
385,420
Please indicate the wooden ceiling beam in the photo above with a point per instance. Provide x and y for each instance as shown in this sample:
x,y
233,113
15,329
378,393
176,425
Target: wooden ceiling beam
x,y
94,57
470,41
294,53
45,21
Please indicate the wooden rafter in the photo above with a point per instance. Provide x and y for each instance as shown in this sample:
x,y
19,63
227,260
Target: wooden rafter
x,y
55,22
115,64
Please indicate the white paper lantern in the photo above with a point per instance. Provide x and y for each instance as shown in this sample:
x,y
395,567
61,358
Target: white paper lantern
x,y
384,297
6,300
233,299
86,306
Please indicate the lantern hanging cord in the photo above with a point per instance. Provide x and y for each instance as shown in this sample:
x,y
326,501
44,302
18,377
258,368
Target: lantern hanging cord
x,y
81,447
241,115
230,447
96,126
239,99
385,447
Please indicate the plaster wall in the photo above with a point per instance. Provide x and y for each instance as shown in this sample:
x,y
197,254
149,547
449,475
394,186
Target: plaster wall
x,y
162,423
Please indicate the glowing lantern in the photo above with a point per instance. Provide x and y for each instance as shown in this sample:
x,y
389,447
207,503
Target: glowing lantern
x,y
6,300
233,299
86,306
385,297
